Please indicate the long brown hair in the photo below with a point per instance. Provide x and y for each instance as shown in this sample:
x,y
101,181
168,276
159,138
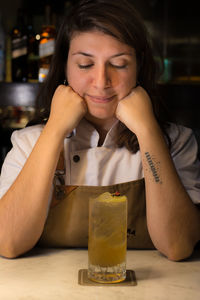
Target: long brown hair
x,y
120,20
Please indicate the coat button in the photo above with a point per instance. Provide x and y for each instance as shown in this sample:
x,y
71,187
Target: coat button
x,y
76,158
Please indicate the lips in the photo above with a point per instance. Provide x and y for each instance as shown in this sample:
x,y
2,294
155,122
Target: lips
x,y
101,99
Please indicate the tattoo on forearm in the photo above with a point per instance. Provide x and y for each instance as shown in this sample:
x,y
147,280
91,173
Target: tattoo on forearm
x,y
154,167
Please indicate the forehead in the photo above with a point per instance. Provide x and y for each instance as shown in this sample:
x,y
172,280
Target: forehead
x,y
97,41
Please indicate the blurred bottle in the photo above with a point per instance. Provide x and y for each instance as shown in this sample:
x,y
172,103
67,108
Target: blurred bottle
x,y
33,52
8,59
2,50
67,7
19,44
47,44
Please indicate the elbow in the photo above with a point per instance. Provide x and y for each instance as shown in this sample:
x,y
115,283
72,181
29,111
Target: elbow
x,y
15,247
184,249
179,252
179,255
9,255
9,252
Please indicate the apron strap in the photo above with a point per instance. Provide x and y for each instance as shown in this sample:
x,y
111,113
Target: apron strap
x,y
60,190
61,163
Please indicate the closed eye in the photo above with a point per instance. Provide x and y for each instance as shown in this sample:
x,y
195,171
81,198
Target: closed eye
x,y
85,66
118,66
112,65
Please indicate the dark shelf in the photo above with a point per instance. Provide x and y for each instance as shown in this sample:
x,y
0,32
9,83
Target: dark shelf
x,y
183,103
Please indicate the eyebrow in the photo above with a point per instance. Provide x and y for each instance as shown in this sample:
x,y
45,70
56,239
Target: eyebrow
x,y
90,55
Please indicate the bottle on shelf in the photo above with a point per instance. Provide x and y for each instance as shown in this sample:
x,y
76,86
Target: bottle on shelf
x,y
67,7
19,44
2,50
46,45
8,59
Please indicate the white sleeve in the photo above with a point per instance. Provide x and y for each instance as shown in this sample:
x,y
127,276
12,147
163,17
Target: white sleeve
x,y
184,152
23,142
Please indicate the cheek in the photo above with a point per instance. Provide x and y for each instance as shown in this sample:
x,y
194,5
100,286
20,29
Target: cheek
x,y
127,82
70,75
76,81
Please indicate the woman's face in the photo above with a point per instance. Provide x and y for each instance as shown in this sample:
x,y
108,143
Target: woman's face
x,y
102,70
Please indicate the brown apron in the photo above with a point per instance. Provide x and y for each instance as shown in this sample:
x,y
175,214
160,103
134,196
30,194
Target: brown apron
x,y
67,221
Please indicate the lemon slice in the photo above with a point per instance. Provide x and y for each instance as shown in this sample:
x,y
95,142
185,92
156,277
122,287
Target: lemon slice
x,y
107,197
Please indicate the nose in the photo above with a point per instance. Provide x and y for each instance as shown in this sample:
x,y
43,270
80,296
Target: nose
x,y
102,77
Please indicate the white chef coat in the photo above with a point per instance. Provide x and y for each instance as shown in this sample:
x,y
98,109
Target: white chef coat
x,y
88,164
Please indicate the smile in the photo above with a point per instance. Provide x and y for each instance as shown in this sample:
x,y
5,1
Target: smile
x,y
100,99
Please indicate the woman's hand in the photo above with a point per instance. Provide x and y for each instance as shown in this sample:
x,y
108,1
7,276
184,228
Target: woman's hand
x,y
67,109
135,110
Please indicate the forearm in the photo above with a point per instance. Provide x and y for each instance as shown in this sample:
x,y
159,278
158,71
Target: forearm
x,y
173,220
23,208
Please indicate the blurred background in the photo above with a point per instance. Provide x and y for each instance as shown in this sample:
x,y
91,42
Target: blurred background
x,y
27,36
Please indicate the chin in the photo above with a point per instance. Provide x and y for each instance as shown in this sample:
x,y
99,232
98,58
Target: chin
x,y
101,115
100,118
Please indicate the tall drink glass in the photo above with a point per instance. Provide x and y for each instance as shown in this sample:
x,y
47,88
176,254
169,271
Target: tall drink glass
x,y
107,242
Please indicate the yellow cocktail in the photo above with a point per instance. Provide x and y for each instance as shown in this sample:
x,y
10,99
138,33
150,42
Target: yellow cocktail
x,y
107,238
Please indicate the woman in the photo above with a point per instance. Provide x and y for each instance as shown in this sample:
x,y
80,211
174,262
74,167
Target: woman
x,y
101,131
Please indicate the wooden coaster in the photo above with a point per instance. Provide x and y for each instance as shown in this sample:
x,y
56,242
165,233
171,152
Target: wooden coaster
x,y
84,280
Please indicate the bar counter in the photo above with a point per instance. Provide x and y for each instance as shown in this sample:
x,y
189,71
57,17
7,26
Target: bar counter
x,y
53,274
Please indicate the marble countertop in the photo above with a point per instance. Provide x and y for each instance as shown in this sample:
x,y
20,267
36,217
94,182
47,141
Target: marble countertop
x,y
53,274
